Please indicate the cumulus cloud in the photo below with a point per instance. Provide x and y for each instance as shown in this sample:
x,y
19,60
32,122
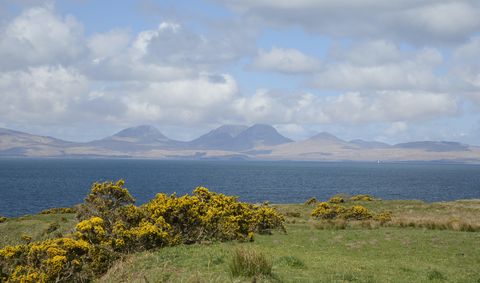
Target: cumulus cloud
x,y
108,44
380,65
187,102
38,36
284,60
416,22
40,94
347,108
172,43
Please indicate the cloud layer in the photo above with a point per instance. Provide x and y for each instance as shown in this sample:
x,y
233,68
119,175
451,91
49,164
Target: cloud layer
x,y
395,63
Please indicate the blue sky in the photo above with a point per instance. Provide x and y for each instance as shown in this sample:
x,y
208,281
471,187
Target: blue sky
x,y
390,71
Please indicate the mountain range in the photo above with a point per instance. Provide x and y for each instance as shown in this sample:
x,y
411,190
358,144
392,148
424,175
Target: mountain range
x,y
257,142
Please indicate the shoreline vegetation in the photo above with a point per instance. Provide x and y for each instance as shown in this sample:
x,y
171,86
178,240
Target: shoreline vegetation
x,y
210,237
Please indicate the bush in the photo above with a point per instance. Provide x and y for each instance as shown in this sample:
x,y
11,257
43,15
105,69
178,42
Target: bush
x,y
110,225
357,212
384,217
57,260
362,198
211,216
58,210
336,199
324,210
249,263
311,201
3,219
105,200
26,238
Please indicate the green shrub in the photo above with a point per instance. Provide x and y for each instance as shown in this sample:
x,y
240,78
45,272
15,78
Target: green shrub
x,y
249,263
3,219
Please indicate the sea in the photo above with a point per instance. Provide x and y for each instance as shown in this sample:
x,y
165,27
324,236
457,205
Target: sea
x,y
28,186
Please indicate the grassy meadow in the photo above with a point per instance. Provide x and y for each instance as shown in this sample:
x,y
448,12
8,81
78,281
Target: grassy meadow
x,y
424,242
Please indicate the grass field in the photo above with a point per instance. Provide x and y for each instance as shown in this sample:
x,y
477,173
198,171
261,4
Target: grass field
x,y
424,243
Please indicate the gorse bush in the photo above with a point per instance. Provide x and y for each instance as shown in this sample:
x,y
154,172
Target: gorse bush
x,y
329,211
357,212
58,210
57,260
111,225
325,210
336,199
3,219
361,198
384,216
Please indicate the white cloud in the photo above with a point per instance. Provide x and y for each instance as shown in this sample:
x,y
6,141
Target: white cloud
x,y
111,43
40,94
416,22
174,44
347,108
38,36
381,65
188,101
396,128
284,60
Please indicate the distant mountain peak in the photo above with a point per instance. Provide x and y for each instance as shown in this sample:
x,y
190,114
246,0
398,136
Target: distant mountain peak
x,y
324,136
142,131
239,137
232,130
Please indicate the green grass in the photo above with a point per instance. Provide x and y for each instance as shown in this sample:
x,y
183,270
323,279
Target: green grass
x,y
308,254
38,227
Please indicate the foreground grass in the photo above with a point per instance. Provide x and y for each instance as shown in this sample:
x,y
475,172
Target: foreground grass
x,y
310,255
357,253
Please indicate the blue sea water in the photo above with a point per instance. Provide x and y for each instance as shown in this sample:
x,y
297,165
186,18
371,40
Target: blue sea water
x,y
28,186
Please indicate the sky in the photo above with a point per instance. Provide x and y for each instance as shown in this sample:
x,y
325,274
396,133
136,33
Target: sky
x,y
392,71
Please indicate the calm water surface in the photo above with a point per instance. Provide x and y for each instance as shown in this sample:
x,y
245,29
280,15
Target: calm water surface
x,y
30,185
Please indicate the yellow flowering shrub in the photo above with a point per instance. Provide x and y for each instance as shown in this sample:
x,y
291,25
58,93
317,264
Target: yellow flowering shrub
x,y
357,212
3,219
105,200
362,198
56,260
325,210
26,238
58,210
336,199
110,224
384,217
207,215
